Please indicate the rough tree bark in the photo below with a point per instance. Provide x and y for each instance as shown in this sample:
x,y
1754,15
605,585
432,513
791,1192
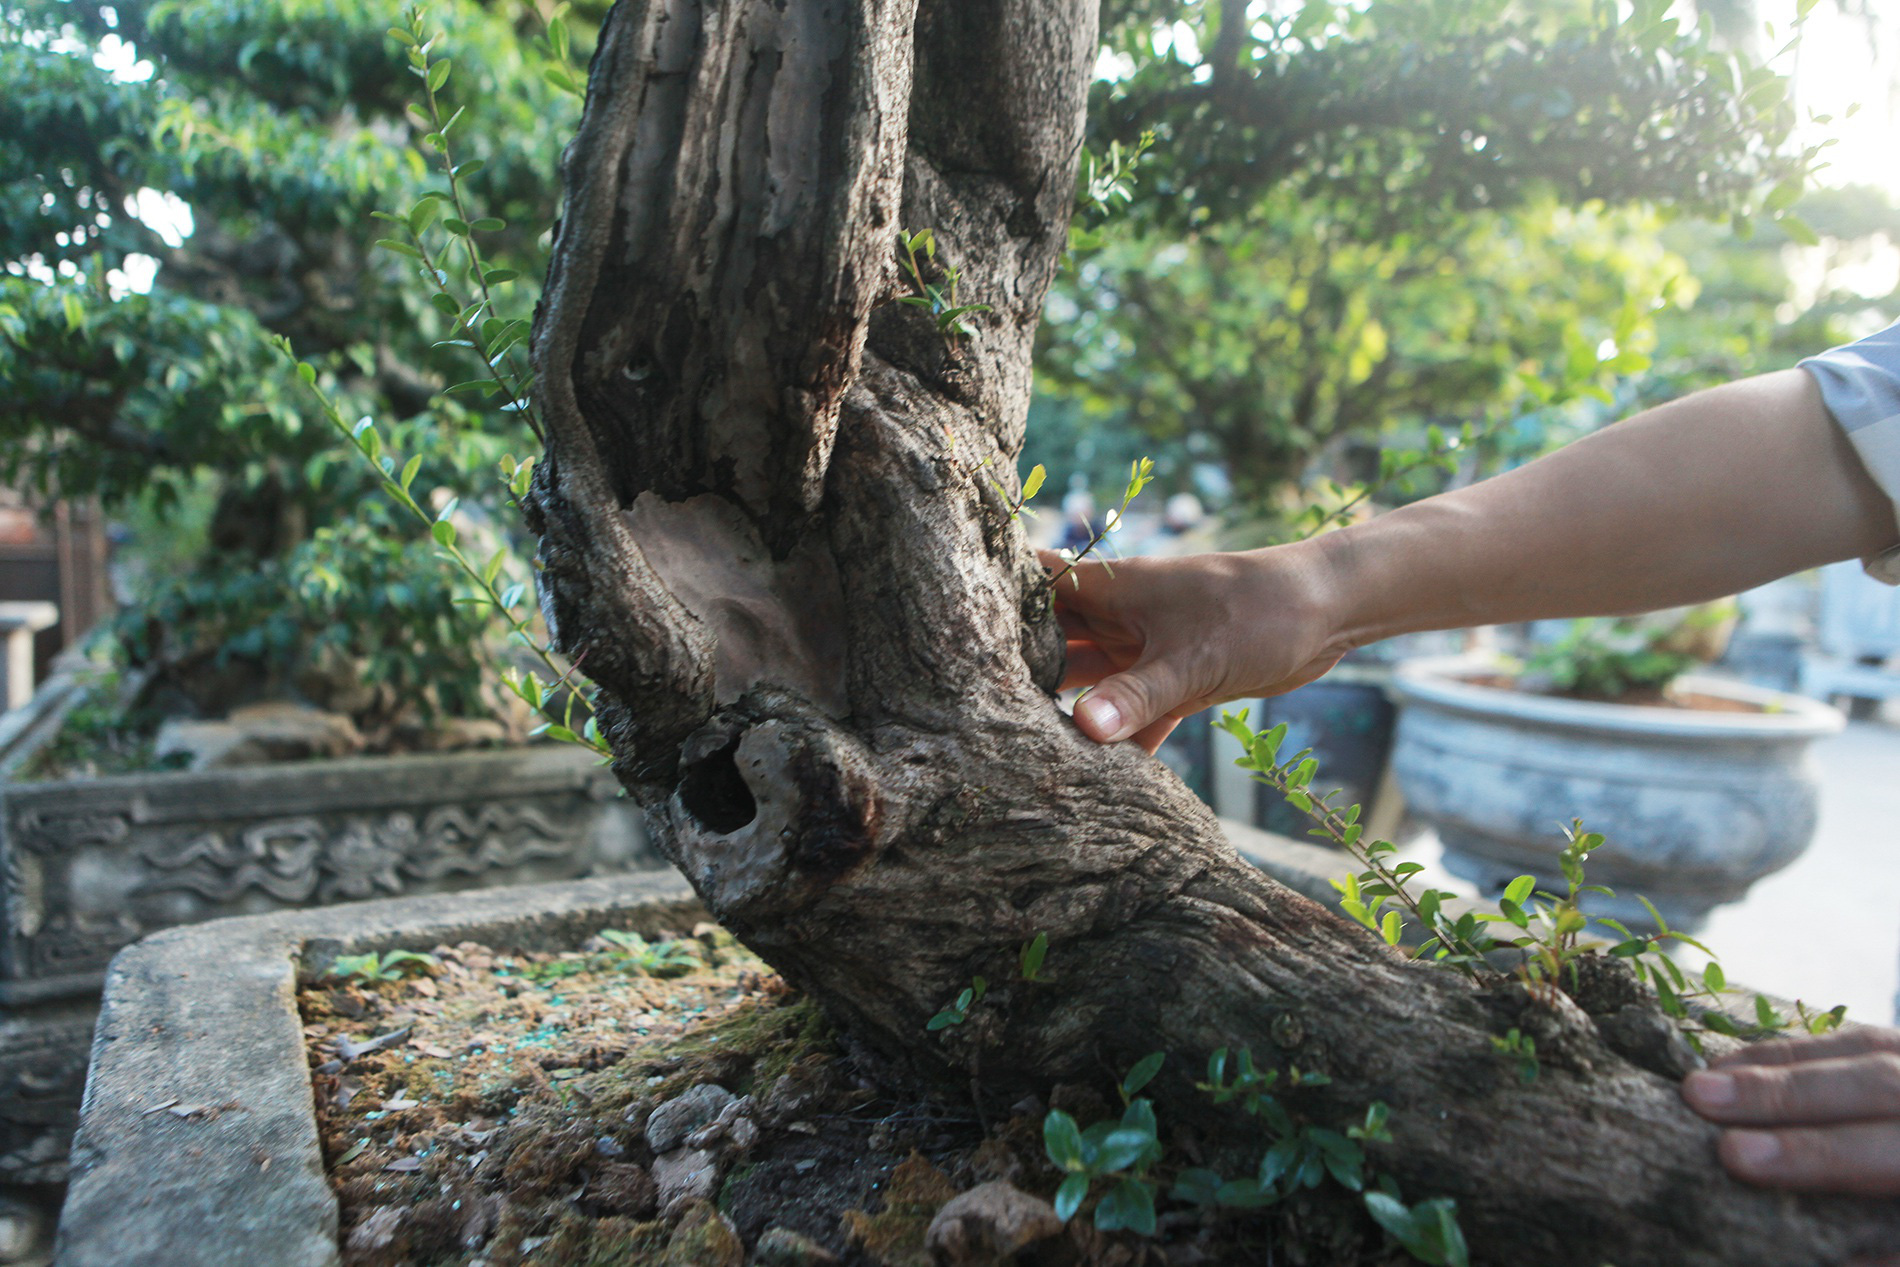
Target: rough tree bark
x,y
826,660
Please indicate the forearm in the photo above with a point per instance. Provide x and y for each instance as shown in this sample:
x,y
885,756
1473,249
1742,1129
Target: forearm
x,y
1703,497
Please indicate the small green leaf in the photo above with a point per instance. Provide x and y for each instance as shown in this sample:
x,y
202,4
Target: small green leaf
x,y
1517,890
1032,955
438,75
1798,229
1129,1206
400,248
1069,1197
1120,1150
1143,1073
496,276
444,533
1391,928
1662,924
1197,1185
489,224
1062,1141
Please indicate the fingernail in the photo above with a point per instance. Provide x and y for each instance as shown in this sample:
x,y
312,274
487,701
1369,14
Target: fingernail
x,y
1102,716
1755,1150
1711,1090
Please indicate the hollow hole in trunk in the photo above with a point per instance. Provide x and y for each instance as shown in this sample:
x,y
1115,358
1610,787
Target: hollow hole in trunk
x,y
714,792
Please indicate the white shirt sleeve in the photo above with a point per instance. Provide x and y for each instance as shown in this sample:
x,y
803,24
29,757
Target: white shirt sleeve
x,y
1860,384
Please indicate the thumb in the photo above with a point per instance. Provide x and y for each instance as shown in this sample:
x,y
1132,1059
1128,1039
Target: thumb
x,y
1121,705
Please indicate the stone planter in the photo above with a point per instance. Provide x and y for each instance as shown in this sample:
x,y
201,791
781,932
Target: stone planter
x,y
1695,805
88,866
200,1052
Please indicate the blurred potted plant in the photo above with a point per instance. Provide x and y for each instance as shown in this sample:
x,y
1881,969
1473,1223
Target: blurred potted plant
x,y
1701,786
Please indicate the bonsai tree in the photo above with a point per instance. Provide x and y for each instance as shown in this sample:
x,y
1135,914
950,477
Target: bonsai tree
x,y
182,184
1610,657
777,522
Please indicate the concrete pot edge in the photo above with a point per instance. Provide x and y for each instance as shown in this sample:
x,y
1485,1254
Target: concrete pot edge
x,y
194,1148
1440,684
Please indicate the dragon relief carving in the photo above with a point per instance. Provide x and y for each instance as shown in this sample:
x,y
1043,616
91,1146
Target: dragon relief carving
x,y
76,886
306,859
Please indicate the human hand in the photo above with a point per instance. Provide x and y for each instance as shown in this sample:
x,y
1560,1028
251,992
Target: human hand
x,y
1160,639
1816,1114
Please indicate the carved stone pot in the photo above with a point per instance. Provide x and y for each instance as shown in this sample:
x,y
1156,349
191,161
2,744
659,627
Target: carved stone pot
x,y
1695,805
88,866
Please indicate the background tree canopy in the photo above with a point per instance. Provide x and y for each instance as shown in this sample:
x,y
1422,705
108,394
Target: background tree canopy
x,y
1357,220
232,154
1354,220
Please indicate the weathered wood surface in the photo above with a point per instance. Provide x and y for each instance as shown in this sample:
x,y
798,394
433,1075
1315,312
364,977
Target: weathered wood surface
x,y
827,661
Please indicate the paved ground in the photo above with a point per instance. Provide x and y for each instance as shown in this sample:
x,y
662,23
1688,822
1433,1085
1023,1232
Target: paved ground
x,y
1827,929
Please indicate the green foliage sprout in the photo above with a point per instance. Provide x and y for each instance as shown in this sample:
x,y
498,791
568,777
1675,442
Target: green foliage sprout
x,y
1549,930
1120,1152
506,599
939,298
1607,658
959,1011
490,337
1029,959
494,340
1141,473
389,965
634,953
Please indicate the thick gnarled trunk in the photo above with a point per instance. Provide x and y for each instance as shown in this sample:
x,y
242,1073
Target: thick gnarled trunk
x,y
826,658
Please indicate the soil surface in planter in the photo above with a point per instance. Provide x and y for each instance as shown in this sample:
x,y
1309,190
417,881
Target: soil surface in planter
x,y
497,1109
1645,697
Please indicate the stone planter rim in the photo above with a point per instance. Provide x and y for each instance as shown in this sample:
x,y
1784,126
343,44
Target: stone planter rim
x,y
1441,682
356,763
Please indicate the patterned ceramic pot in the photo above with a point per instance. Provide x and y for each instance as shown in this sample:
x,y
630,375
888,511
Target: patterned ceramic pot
x,y
1695,804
